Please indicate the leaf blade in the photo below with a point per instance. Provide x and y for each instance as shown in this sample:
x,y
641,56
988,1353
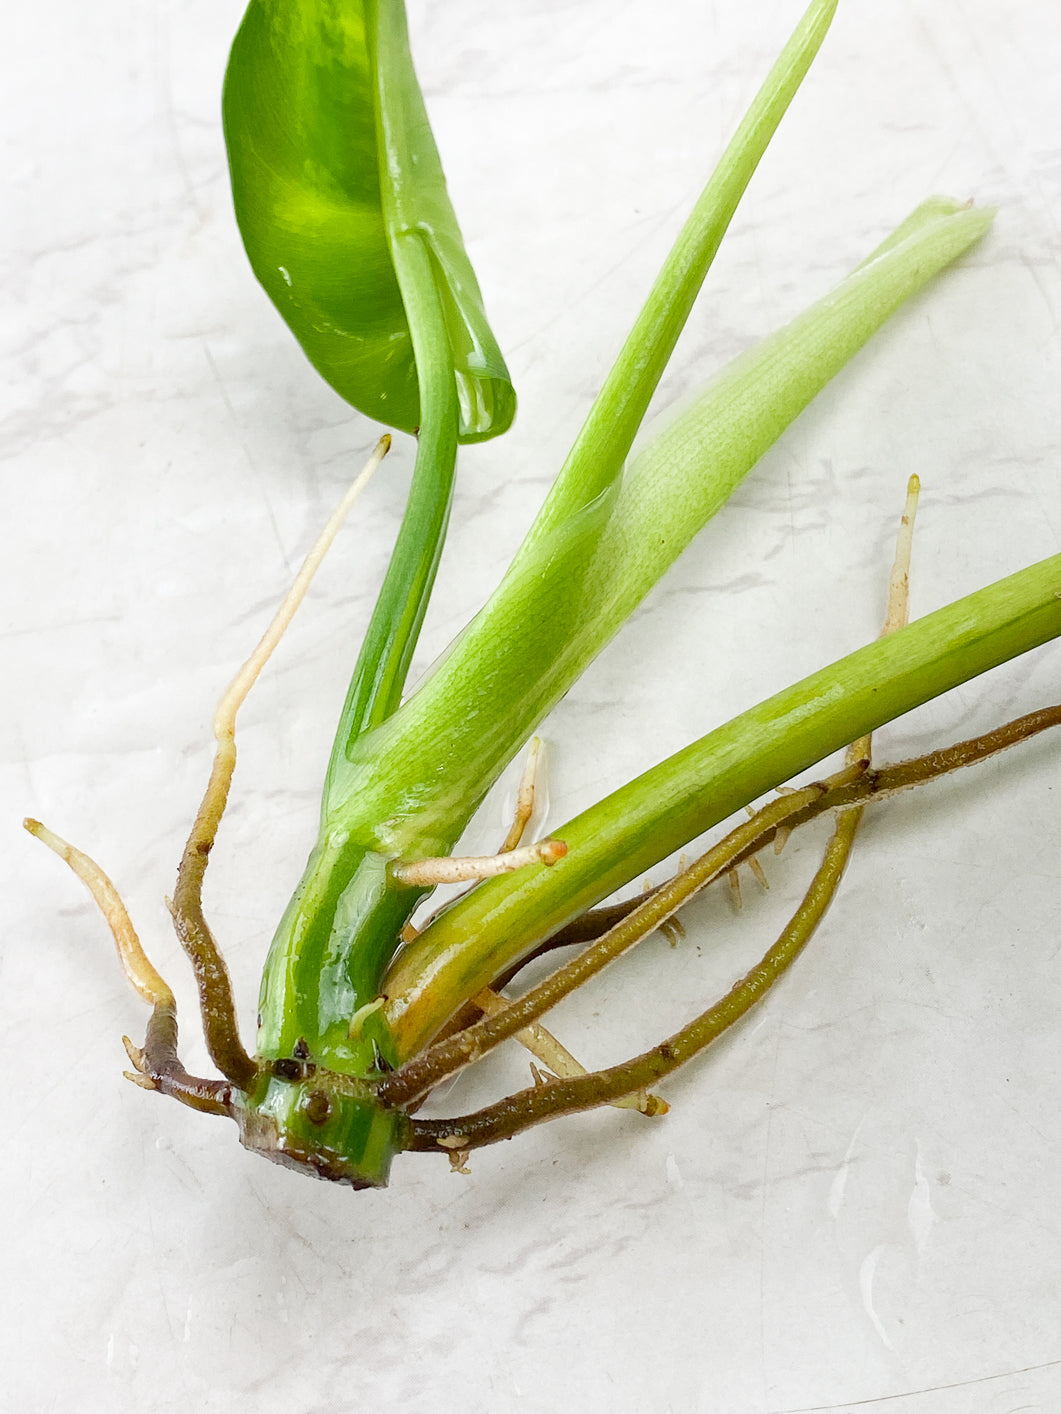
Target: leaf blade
x,y
304,152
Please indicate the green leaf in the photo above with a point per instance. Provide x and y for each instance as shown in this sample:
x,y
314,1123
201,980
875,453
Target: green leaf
x,y
332,162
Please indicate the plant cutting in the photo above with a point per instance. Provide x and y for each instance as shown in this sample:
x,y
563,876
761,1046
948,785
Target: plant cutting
x,y
343,210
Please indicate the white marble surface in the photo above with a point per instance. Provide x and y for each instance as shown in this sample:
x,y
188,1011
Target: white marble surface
x,y
855,1199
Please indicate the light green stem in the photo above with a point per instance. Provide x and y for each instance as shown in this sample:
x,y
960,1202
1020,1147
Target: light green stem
x,y
383,662
619,409
663,809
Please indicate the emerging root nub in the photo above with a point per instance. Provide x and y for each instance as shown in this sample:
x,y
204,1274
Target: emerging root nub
x,y
458,1156
138,1075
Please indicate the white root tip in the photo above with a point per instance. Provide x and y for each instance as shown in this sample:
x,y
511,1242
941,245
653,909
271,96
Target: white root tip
x,y
361,1015
144,1081
760,873
525,796
134,961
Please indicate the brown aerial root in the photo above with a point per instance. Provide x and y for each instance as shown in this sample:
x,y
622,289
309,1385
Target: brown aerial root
x,y
847,788
559,1097
857,759
544,1046
156,1065
541,1044
847,792
216,1003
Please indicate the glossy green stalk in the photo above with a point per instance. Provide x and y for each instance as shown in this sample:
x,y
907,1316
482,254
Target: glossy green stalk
x,y
662,810
387,648
406,155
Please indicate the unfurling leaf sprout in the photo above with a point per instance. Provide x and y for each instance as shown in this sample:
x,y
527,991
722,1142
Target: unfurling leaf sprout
x,y
342,205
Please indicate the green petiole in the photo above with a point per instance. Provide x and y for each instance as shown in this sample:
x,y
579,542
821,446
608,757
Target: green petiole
x,y
596,459
618,839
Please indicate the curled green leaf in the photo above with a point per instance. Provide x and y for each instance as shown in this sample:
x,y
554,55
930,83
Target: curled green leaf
x,y
332,163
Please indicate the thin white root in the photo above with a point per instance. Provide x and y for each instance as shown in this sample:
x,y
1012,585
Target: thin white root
x,y
559,1060
426,873
134,960
672,930
753,863
759,872
144,1081
138,969
899,582
216,797
898,612
236,693
733,875
190,924
524,797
